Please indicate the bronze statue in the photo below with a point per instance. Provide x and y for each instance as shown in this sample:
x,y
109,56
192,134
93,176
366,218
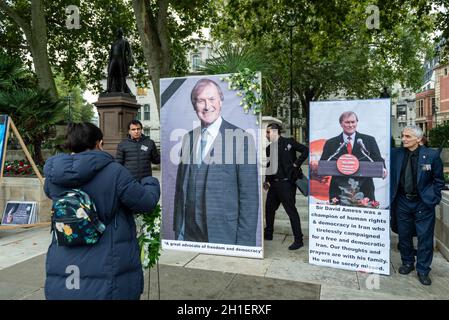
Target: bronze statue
x,y
120,59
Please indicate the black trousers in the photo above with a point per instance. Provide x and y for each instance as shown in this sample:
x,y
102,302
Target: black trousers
x,y
282,192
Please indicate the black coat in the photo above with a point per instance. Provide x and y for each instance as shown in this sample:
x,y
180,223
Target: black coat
x,y
366,184
138,155
287,149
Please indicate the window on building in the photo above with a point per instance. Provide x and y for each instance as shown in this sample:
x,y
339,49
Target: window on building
x,y
445,71
139,114
420,108
196,62
146,111
147,132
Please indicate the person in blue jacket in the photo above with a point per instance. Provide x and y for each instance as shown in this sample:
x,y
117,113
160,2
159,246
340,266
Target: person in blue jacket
x,y
111,268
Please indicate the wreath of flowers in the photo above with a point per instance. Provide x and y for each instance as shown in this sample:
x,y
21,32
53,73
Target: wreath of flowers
x,y
247,84
149,239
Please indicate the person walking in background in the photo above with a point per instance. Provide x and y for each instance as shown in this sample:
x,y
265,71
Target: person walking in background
x,y
137,152
110,268
416,184
281,184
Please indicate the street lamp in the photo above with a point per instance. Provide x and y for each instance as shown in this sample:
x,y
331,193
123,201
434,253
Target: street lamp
x,y
291,24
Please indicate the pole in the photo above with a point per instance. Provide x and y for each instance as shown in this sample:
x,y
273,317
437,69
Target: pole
x,y
291,80
70,111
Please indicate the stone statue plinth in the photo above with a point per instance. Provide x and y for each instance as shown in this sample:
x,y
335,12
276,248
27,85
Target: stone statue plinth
x,y
115,110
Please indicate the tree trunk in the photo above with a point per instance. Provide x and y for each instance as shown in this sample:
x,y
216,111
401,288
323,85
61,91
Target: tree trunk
x,y
37,153
38,45
154,39
36,36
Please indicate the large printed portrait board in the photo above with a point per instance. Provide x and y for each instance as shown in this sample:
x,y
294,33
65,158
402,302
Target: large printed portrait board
x,y
349,214
211,182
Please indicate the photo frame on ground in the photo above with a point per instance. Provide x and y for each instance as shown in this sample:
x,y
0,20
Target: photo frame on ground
x,y
19,212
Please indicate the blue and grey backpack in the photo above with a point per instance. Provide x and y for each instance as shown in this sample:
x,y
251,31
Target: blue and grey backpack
x,y
75,219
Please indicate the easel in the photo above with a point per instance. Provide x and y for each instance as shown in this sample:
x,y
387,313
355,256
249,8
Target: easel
x,y
10,123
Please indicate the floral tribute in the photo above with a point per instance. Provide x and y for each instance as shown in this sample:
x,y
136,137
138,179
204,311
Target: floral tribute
x,y
247,84
18,168
352,196
149,226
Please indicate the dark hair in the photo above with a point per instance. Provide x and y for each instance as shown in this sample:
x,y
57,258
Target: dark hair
x,y
199,86
82,136
275,126
135,122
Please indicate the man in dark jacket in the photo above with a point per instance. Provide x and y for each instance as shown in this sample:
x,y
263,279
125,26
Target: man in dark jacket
x,y
416,183
285,169
137,152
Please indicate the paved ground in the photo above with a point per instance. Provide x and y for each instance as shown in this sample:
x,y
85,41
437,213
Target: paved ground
x,y
282,274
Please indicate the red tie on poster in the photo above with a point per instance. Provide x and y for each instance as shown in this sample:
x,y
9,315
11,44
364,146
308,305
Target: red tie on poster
x,y
349,147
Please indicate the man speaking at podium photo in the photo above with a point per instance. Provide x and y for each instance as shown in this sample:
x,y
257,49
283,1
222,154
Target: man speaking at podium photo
x,y
362,146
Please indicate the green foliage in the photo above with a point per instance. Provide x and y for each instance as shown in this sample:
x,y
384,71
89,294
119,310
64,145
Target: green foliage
x,y
149,239
80,55
245,60
333,50
19,168
439,136
33,111
76,109
246,82
11,72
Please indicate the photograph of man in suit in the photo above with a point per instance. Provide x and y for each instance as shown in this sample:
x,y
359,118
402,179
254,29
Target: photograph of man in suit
x,y
362,146
216,197
416,183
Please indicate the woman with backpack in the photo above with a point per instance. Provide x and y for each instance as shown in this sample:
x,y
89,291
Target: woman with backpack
x,y
106,266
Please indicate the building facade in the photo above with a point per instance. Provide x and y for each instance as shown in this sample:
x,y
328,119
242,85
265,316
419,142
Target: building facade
x,y
425,104
442,94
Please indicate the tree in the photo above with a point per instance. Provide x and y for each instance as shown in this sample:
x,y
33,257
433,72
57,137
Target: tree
x,y
56,42
439,136
33,110
30,19
76,109
165,28
235,58
159,32
333,49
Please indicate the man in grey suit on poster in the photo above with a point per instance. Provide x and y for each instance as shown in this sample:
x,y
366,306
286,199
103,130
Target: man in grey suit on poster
x,y
216,198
